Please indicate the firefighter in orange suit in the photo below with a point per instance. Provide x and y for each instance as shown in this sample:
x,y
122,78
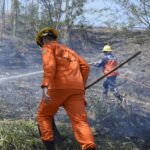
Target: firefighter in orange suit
x,y
64,78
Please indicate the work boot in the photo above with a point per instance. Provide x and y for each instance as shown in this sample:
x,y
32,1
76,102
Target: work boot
x,y
91,149
120,98
50,145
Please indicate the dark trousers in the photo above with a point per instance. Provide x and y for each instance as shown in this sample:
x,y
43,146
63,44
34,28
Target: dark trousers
x,y
110,83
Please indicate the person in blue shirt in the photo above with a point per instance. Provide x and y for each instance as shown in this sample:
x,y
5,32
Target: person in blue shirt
x,y
108,63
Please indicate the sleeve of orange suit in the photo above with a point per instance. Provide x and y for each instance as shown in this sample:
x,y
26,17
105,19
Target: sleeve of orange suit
x,y
49,66
84,68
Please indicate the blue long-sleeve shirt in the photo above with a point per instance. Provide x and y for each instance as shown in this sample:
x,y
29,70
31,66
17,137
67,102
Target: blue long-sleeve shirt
x,y
108,63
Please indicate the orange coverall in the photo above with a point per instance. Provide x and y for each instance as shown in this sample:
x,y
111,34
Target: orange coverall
x,y
65,75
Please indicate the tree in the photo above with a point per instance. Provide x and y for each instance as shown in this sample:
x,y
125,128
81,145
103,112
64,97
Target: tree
x,y
62,14
2,4
32,17
14,12
137,10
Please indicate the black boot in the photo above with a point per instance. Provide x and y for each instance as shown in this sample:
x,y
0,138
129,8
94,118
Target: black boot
x,y
50,145
91,149
118,96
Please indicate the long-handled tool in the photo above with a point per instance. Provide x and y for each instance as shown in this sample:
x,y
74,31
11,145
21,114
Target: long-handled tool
x,y
102,77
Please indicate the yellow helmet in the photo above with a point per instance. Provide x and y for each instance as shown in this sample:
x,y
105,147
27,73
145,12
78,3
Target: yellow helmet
x,y
107,48
44,32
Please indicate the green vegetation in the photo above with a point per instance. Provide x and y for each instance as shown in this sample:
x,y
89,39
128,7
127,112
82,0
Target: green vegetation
x,y
19,135
23,135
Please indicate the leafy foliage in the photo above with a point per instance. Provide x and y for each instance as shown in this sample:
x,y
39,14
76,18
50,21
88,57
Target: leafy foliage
x,y
138,11
19,135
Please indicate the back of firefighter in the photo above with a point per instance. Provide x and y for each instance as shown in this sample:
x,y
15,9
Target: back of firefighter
x,y
108,63
64,79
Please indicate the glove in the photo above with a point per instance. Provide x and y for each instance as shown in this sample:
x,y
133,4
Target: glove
x,y
45,96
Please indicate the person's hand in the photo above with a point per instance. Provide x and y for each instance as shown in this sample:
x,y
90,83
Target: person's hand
x,y
94,63
45,96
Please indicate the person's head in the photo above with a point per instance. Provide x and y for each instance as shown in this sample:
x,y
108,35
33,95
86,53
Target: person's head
x,y
107,49
45,35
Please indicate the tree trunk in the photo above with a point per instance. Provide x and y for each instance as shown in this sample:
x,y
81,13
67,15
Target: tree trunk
x,y
37,19
66,34
2,18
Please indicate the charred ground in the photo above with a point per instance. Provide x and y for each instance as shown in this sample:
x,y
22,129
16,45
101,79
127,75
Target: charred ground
x,y
127,123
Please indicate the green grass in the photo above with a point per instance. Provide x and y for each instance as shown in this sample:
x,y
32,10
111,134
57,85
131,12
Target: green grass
x,y
19,135
23,135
